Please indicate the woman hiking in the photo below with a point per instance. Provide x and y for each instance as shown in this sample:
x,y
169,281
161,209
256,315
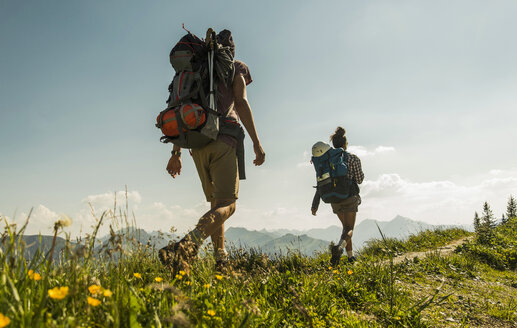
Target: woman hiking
x,y
345,206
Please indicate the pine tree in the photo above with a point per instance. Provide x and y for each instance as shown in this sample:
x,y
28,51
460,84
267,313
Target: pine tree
x,y
511,208
487,225
504,219
488,219
477,222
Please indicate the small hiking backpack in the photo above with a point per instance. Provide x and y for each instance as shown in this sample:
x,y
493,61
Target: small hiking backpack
x,y
331,170
190,119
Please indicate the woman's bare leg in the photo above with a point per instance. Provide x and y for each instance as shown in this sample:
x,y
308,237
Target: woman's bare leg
x,y
348,221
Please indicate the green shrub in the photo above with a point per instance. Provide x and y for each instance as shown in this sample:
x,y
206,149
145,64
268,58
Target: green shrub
x,y
499,251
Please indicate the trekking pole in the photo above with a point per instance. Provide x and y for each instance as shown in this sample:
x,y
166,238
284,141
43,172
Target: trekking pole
x,y
210,39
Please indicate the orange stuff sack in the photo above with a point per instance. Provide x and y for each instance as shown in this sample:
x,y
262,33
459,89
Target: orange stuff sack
x,y
192,115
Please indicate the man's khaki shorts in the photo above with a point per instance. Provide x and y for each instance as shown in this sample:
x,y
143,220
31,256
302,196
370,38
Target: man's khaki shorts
x,y
349,204
216,164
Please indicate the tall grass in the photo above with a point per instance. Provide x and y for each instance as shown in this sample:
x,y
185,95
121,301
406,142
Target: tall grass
x,y
122,284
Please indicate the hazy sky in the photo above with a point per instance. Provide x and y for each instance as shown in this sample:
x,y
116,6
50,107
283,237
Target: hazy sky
x,y
427,91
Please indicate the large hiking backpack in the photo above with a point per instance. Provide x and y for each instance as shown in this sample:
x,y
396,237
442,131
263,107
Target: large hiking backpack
x,y
190,119
331,170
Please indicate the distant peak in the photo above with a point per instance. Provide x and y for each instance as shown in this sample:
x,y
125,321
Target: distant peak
x,y
401,218
237,229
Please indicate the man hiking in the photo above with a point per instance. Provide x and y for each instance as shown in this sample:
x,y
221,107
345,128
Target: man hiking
x,y
218,169
344,197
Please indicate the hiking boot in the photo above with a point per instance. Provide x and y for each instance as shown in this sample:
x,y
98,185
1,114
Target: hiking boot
x,y
167,253
221,265
178,255
221,260
186,254
352,259
335,254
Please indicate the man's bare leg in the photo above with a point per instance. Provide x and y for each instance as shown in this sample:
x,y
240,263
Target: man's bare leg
x,y
218,241
218,238
218,235
212,222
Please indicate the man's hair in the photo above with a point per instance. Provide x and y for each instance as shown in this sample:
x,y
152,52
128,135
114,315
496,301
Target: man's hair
x,y
225,38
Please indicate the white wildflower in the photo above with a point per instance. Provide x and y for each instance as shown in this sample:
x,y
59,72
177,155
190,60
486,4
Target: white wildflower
x,y
64,221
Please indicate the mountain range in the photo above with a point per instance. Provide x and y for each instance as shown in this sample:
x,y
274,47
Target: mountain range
x,y
309,241
274,242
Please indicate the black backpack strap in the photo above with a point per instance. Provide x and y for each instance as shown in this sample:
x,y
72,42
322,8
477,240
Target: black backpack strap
x,y
181,126
354,187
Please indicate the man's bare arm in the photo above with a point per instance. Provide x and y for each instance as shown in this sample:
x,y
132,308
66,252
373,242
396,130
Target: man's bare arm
x,y
243,108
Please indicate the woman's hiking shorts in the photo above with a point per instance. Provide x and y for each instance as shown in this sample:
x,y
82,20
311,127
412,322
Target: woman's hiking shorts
x,y
216,164
349,204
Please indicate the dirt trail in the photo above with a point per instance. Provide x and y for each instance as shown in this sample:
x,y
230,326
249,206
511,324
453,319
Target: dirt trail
x,y
443,250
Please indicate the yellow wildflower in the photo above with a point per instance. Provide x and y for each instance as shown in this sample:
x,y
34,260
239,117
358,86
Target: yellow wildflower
x,y
33,275
350,272
107,293
137,275
93,301
330,268
179,277
95,289
335,271
188,283
182,272
158,279
210,312
4,321
206,285
58,293
218,277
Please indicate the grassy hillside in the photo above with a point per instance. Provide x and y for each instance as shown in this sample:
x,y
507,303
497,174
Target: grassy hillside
x,y
303,244
475,286
246,238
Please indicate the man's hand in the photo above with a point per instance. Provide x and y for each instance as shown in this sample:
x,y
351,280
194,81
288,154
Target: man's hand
x,y
260,155
313,210
174,166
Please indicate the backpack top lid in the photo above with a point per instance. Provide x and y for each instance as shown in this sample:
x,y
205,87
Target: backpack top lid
x,y
190,54
331,164
320,148
189,50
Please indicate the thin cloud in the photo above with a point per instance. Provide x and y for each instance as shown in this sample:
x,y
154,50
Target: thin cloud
x,y
390,194
108,200
438,202
41,220
159,216
360,151
364,152
435,202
